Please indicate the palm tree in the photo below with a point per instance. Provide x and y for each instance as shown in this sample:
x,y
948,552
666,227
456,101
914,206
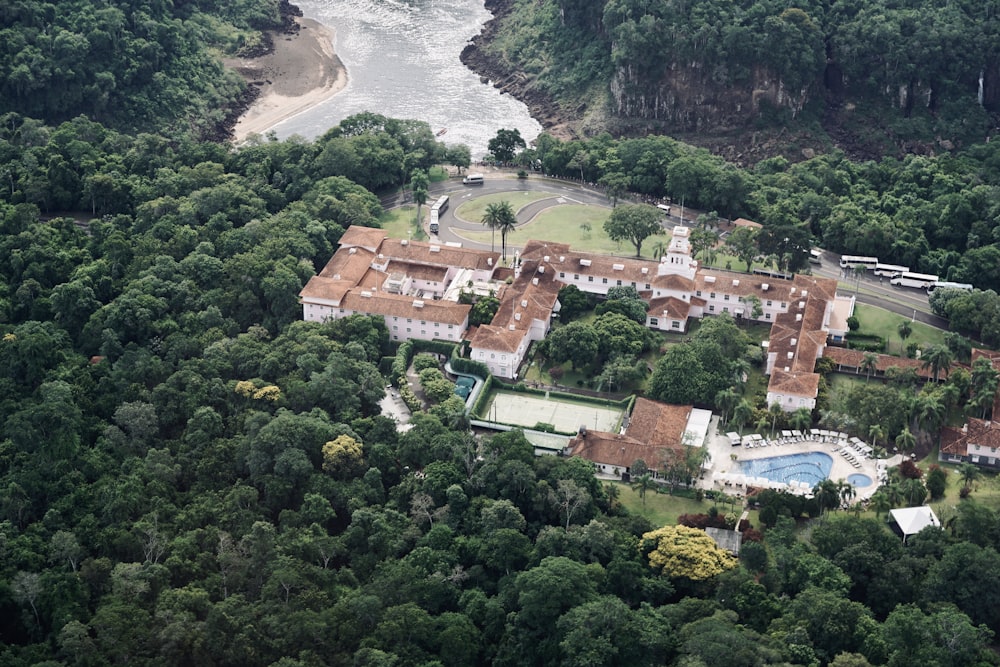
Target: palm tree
x,y
775,411
881,503
905,441
968,473
506,224
726,400
904,330
847,492
937,358
742,413
660,249
875,433
914,491
802,419
827,494
930,413
868,364
613,493
642,484
491,218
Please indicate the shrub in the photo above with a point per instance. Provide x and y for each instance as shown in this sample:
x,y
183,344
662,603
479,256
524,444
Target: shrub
x,y
424,361
909,470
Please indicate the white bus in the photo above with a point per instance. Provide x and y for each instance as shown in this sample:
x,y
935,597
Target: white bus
x,y
943,284
850,261
889,270
918,280
439,207
473,179
815,256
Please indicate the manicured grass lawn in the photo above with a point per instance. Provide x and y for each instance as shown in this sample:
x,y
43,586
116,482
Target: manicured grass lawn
x,y
474,209
399,221
661,509
881,322
581,226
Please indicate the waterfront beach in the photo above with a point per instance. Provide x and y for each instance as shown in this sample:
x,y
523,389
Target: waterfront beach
x,y
300,72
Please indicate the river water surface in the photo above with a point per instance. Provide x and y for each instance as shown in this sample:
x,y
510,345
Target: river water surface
x,y
402,61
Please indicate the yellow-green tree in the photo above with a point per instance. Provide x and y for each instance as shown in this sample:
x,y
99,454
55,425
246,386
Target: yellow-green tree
x,y
681,552
342,455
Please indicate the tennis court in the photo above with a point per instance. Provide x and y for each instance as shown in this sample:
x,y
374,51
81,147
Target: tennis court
x,y
508,407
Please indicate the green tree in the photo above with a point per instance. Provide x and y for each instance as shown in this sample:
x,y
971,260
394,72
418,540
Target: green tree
x,y
633,223
577,342
681,552
869,363
505,144
968,473
937,358
419,184
742,242
904,329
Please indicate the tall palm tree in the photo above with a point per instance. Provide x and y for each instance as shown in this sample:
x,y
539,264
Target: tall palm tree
x,y
904,330
660,249
968,473
868,364
914,491
875,433
491,218
726,400
827,493
775,411
847,492
881,503
742,413
506,223
642,484
802,419
931,414
937,358
905,441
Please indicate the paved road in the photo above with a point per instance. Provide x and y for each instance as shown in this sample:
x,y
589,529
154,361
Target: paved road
x,y
870,289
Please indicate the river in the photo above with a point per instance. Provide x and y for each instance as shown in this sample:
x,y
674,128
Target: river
x,y
402,61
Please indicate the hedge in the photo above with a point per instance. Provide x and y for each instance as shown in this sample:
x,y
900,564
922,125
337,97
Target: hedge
x,y
484,395
460,365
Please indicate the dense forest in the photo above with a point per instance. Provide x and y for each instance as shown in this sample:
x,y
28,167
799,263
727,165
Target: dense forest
x,y
191,475
864,75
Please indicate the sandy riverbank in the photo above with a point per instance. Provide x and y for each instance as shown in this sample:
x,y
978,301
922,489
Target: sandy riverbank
x,y
300,72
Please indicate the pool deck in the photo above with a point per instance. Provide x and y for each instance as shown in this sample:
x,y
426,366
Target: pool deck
x,y
726,459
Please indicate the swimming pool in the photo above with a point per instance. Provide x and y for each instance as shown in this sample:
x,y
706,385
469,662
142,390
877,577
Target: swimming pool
x,y
809,467
859,480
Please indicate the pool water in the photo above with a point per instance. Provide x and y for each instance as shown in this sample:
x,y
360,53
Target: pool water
x,y
809,467
859,480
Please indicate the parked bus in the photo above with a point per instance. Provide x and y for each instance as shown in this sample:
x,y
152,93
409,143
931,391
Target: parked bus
x,y
473,179
850,261
439,207
890,270
943,284
918,280
815,256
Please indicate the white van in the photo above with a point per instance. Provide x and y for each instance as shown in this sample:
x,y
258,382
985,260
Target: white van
x,y
664,208
473,179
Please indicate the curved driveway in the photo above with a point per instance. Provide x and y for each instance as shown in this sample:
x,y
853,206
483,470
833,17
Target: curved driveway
x,y
870,290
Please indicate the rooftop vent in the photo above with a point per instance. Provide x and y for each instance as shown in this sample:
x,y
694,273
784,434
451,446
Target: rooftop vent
x,y
365,293
618,267
791,355
524,303
352,251
489,261
805,293
404,242
418,304
645,270
562,258
381,256
798,317
517,316
802,304
794,341
765,286
793,291
545,258
534,281
736,282
541,269
709,279
584,262
512,327
435,248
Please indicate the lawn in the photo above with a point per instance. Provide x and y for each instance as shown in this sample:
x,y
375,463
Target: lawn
x,y
400,221
881,322
474,209
662,509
